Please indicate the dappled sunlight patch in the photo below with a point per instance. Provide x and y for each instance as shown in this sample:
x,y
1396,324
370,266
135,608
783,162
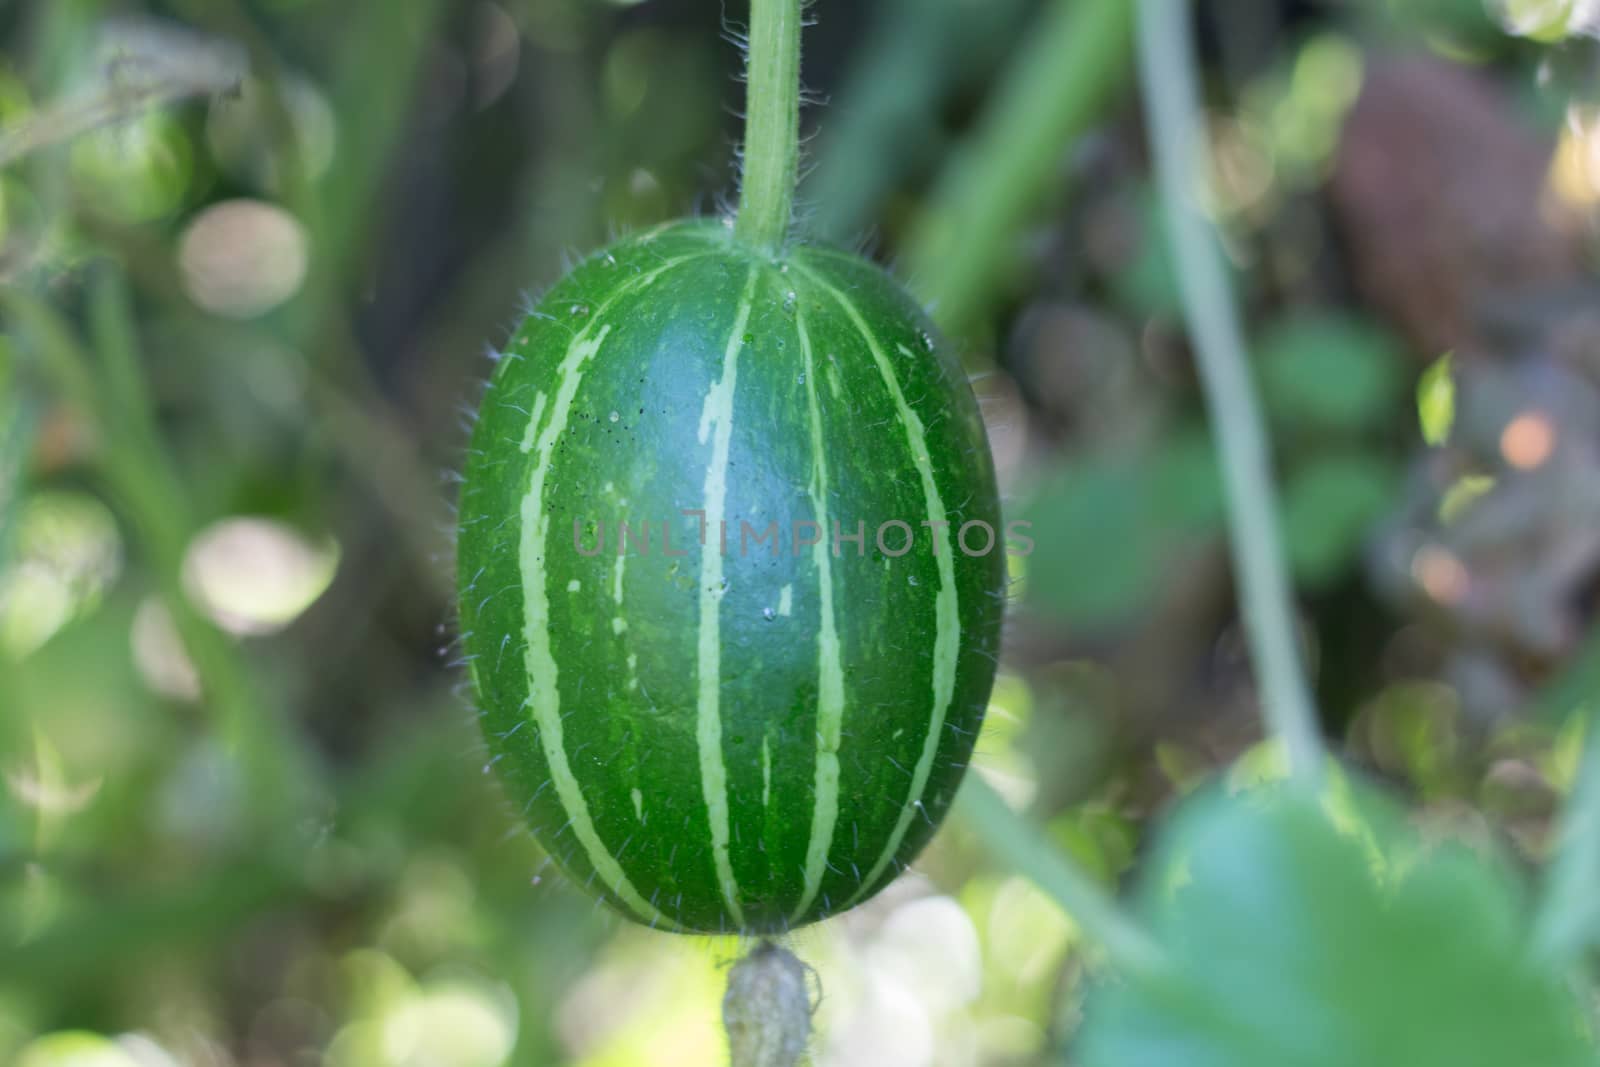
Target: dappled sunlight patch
x,y
242,258
446,1020
159,655
648,999
79,1048
68,552
256,575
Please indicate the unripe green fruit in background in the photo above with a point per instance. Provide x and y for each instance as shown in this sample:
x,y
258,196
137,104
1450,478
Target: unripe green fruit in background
x,y
753,732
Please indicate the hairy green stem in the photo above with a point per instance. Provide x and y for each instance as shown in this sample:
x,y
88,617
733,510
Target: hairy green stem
x,y
966,240
772,124
1015,840
1172,108
1568,919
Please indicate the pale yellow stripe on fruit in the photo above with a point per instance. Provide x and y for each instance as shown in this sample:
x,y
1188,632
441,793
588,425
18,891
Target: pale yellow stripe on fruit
x,y
947,640
544,695
533,423
716,419
830,669
766,771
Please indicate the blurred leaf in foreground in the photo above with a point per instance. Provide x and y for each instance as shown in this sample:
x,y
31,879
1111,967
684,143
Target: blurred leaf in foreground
x,y
1546,21
1323,932
1114,527
1329,371
1328,507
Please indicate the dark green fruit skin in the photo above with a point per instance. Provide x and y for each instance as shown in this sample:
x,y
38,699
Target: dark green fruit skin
x,y
604,409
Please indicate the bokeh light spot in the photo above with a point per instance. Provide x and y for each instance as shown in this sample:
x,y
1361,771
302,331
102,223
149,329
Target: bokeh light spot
x,y
135,171
159,654
1440,574
242,258
240,134
1575,168
256,576
1528,440
75,1048
68,552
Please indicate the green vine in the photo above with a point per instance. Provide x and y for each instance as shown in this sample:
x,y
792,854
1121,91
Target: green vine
x,y
1014,839
772,124
766,1010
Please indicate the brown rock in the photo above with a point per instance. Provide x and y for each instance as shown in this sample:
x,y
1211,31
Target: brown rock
x,y
1439,189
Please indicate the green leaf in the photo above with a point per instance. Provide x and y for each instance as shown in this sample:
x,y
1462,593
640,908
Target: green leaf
x,y
1329,372
1109,528
1436,400
1322,931
1545,21
1147,282
1100,559
1463,494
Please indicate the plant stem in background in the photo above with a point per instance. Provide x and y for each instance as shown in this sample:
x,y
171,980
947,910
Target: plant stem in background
x,y
152,495
883,123
137,471
967,238
1172,107
1568,920
772,124
1015,840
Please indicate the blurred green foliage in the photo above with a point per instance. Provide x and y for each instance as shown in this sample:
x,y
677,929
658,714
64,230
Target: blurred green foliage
x,y
1383,949
244,817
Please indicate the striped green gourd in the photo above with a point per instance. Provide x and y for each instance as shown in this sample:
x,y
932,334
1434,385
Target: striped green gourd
x,y
749,738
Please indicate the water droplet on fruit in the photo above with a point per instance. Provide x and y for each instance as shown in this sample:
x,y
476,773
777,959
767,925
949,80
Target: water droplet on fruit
x,y
610,260
913,580
800,379
768,614
790,299
579,310
927,340
615,416
749,338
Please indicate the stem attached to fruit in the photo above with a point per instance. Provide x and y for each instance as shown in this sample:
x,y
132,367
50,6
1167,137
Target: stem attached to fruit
x,y
767,1011
772,124
1166,71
